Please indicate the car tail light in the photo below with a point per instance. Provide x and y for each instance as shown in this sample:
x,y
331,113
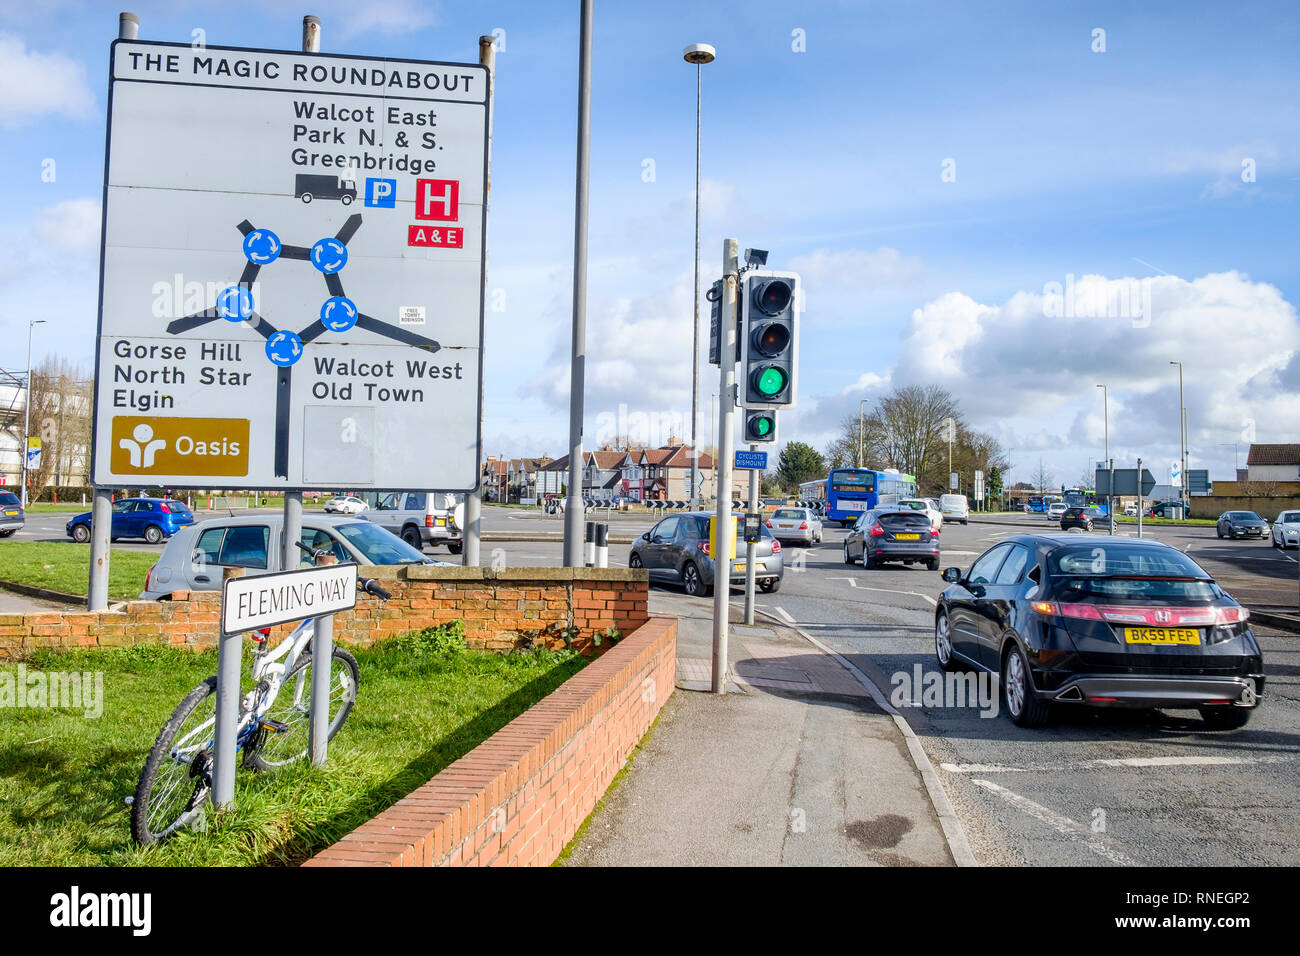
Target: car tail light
x,y
877,530
803,525
934,532
149,574
428,521
1149,616
704,548
768,522
164,509
776,546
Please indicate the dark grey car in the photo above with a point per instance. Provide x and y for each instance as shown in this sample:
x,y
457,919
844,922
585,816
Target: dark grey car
x,y
11,514
676,551
880,536
1241,524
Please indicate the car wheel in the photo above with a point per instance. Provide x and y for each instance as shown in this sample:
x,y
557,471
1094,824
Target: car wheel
x,y
80,533
412,537
692,581
771,586
848,559
455,547
1022,702
153,534
933,564
943,642
634,561
1225,718
868,559
1089,526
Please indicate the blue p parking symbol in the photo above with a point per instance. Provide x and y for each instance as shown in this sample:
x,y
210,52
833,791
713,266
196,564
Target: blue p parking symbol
x,y
381,193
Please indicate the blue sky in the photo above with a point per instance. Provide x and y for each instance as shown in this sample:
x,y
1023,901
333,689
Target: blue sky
x,y
1122,164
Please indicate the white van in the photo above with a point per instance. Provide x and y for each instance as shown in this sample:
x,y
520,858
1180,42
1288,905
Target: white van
x,y
419,518
955,508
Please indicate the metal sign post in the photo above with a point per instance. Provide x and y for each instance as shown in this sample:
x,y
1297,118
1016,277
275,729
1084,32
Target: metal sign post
x,y
751,546
1141,503
726,443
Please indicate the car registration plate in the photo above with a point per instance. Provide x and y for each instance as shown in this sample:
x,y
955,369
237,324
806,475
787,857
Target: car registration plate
x,y
738,566
440,522
908,537
11,514
1161,635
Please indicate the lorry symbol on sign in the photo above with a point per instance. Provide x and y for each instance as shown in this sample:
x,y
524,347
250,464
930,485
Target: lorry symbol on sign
x,y
309,186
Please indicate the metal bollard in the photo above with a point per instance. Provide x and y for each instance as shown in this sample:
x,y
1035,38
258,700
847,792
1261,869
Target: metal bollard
x,y
591,544
602,545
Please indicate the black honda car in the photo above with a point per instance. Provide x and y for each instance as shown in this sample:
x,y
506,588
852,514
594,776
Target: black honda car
x,y
1100,622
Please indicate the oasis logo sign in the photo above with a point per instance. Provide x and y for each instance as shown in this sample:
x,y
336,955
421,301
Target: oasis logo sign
x,y
208,447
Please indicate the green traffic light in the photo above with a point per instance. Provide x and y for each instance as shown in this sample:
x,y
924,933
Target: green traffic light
x,y
760,426
770,381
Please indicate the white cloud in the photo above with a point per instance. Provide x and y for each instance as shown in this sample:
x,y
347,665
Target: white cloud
x,y
857,267
33,84
73,224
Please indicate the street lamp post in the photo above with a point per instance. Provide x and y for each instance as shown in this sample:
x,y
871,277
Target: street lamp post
x,y
699,54
1182,442
1105,415
862,462
27,409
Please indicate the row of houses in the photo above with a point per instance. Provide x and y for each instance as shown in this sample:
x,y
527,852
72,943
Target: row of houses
x,y
638,474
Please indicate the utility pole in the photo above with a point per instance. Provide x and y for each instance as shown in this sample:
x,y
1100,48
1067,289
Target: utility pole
x,y
1105,414
862,461
573,507
27,411
1182,440
726,410
699,54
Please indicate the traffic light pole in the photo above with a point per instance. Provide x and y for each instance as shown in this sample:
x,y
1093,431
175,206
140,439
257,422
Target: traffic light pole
x,y
726,445
750,546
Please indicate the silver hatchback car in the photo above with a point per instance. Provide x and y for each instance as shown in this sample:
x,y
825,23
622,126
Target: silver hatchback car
x,y
796,524
195,556
676,551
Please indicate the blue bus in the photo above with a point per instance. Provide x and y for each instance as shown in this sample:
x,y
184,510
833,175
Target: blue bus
x,y
1079,498
847,492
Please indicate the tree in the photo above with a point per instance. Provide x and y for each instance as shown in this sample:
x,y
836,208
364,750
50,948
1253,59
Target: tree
x,y
1041,479
798,463
60,417
1088,480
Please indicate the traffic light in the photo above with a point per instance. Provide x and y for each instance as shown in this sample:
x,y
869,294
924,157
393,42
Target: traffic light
x,y
769,347
760,427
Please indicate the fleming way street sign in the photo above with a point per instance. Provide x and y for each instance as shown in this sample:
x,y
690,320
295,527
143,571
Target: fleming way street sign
x,y
265,600
291,289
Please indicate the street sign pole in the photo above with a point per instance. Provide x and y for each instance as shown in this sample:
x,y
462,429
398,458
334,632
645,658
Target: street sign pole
x,y
1110,492
1141,498
229,657
750,546
726,443
322,662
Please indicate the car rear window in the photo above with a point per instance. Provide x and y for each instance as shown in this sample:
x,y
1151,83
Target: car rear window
x,y
904,519
9,499
1109,560
177,506
788,514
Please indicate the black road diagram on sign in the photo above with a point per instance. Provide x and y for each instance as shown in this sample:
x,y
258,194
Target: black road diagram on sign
x,y
284,348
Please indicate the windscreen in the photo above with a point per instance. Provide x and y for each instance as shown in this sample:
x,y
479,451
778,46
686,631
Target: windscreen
x,y
378,545
1108,571
788,514
903,519
853,482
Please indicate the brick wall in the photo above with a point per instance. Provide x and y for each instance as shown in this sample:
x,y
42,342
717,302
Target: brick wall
x,y
519,797
501,609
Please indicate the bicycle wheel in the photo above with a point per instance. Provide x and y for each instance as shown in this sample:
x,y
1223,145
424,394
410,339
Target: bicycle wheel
x,y
288,719
177,776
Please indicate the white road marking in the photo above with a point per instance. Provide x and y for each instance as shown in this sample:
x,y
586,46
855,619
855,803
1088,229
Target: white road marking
x,y
1179,760
785,615
1058,823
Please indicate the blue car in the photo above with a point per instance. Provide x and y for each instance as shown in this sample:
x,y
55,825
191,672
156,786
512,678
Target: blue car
x,y
150,518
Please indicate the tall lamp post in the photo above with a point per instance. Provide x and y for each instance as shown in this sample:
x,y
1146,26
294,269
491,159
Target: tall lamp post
x,y
1235,459
862,462
27,408
699,54
1182,442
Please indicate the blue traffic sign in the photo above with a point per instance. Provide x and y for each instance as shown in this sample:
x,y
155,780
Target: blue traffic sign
x,y
329,255
381,193
235,303
284,348
339,313
751,460
261,246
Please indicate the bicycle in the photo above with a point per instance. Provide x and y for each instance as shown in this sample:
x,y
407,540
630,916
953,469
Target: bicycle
x,y
176,781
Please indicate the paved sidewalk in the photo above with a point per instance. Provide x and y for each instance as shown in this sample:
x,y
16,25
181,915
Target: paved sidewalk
x,y
794,766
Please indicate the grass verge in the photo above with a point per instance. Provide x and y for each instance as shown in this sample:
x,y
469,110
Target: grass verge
x,y
424,701
65,566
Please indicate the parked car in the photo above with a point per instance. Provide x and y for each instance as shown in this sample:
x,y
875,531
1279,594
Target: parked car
x,y
895,534
676,551
1130,511
12,517
1164,509
345,505
1111,622
1286,530
150,518
924,505
796,524
1083,518
955,508
1055,510
193,560
1241,524
416,518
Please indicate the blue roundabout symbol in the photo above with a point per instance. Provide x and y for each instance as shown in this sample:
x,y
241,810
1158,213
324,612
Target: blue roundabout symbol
x,y
284,348
235,303
329,255
339,313
261,246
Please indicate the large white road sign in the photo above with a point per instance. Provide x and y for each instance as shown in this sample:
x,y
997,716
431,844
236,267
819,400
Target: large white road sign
x,y
292,282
